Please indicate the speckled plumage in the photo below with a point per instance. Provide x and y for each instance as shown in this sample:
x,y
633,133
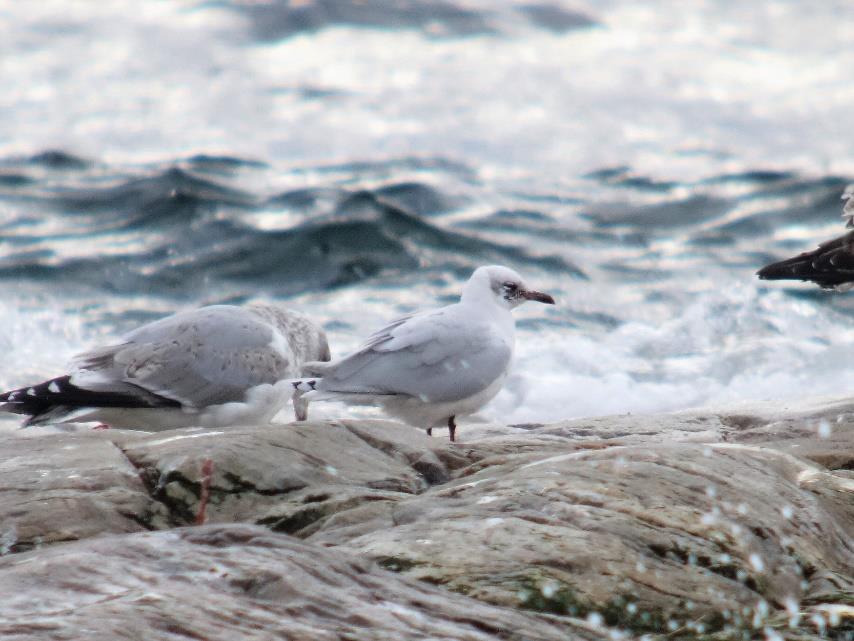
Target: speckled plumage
x,y
211,366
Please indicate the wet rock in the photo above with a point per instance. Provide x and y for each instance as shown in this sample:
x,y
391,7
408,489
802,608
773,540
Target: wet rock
x,y
287,477
649,539
236,582
814,428
723,521
60,487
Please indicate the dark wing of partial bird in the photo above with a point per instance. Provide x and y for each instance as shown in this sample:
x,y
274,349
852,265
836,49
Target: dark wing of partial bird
x,y
831,265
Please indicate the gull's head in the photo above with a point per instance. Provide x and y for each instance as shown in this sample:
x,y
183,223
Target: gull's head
x,y
502,286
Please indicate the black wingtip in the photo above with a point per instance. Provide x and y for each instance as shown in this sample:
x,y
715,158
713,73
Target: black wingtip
x,y
796,268
57,395
781,270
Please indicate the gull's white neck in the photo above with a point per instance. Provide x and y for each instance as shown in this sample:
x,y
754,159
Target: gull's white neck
x,y
480,301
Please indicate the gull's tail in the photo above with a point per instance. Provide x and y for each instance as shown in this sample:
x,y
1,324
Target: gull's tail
x,y
313,372
301,387
308,389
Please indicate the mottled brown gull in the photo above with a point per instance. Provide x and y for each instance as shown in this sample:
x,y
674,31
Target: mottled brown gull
x,y
211,367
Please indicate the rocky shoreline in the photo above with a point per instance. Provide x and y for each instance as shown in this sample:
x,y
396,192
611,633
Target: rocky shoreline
x,y
735,523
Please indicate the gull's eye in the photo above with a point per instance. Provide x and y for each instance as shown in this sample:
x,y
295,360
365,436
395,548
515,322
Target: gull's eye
x,y
510,287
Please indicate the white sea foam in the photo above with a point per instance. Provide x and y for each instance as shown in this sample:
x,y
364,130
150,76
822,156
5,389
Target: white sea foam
x,y
36,340
731,344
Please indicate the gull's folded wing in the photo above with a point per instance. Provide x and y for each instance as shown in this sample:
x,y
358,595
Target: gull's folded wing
x,y
437,356
198,358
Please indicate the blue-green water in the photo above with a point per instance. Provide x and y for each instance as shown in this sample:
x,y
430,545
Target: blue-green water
x,y
357,160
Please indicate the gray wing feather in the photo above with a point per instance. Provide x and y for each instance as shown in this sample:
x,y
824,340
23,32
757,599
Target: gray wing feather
x,y
198,358
346,367
415,356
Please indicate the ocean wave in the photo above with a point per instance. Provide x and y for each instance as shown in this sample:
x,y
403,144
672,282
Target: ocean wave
x,y
196,223
176,230
279,19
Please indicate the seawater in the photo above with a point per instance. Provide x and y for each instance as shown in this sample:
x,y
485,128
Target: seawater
x,y
639,161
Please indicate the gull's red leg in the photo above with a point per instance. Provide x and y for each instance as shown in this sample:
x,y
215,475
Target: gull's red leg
x,y
205,492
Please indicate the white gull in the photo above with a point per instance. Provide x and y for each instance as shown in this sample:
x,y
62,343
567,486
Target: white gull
x,y
430,367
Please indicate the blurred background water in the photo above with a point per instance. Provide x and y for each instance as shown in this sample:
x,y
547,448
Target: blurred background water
x,y
357,159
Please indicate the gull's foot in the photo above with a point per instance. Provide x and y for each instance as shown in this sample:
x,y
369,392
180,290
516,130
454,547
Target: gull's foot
x,y
429,431
452,429
205,492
